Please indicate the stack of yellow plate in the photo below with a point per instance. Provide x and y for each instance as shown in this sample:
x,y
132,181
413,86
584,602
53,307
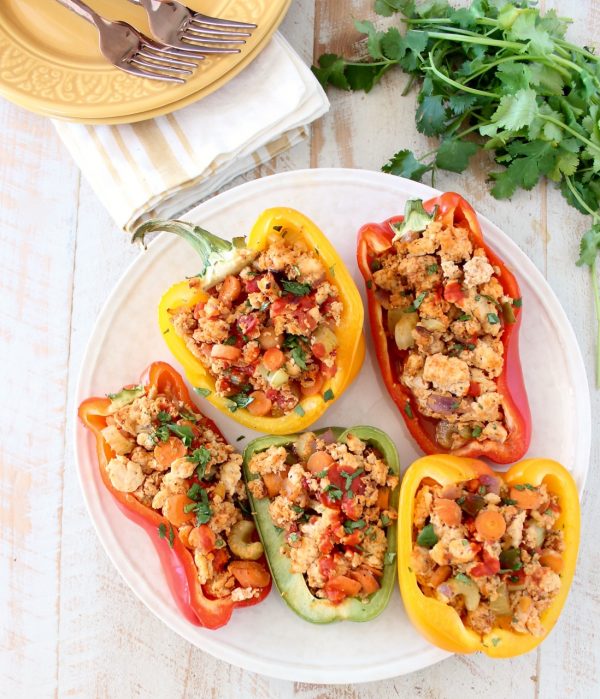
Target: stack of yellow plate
x,y
50,61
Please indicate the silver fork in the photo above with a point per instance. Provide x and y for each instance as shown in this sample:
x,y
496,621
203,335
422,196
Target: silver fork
x,y
131,51
176,25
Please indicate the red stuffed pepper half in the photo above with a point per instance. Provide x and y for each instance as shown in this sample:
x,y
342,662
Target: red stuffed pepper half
x,y
445,314
172,472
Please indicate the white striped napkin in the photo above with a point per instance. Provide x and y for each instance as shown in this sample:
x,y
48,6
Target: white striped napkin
x,y
162,167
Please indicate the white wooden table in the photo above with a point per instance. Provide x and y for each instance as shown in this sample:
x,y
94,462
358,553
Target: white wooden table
x,y
68,624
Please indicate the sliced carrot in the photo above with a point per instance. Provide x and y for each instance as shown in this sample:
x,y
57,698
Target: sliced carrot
x,y
184,535
490,525
249,573
553,560
166,452
383,498
260,405
273,483
448,511
202,538
227,352
526,499
173,510
440,575
273,359
311,387
230,289
368,582
524,604
318,461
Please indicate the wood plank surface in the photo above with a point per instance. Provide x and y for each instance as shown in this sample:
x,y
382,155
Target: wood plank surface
x,y
69,626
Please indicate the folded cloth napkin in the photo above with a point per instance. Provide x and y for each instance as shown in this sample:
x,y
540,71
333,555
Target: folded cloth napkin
x,y
161,167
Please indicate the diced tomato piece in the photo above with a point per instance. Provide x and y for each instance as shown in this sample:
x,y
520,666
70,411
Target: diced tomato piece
x,y
474,389
278,307
251,285
220,560
326,543
202,538
340,587
453,293
248,324
329,371
318,349
352,539
326,566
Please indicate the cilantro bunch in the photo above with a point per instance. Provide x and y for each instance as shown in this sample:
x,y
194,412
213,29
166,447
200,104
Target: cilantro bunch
x,y
499,78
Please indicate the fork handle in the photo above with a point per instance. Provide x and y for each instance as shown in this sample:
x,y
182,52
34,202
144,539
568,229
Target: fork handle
x,y
80,8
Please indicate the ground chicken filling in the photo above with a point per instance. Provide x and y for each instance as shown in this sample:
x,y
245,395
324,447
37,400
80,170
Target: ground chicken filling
x,y
490,551
445,312
267,335
332,501
171,460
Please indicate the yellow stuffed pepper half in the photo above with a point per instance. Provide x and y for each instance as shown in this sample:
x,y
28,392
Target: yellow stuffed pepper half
x,y
271,329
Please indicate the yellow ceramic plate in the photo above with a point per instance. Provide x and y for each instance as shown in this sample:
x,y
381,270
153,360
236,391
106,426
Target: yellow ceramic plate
x,y
50,61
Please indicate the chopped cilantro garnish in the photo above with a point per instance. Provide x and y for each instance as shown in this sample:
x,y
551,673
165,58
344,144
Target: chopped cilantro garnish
x,y
296,288
202,391
517,303
299,510
231,340
385,520
162,533
200,507
322,474
219,543
328,395
432,269
369,283
299,357
332,270
349,477
508,501
293,537
239,400
464,316
299,410
493,319
333,492
416,303
375,265
464,578
161,434
482,490
350,526
476,431
408,410
427,537
163,417
184,432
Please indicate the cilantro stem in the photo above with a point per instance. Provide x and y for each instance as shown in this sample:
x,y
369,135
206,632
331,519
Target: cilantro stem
x,y
451,36
455,83
568,129
512,59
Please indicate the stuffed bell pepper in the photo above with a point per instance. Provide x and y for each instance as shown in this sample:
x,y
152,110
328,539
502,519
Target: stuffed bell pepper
x,y
486,559
445,313
325,504
173,473
270,331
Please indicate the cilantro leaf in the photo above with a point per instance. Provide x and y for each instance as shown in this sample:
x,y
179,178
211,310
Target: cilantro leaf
x,y
431,115
404,164
296,288
184,432
513,113
590,245
454,154
331,71
427,537
299,357
239,400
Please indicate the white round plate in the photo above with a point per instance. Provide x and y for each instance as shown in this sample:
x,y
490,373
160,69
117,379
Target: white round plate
x,y
269,638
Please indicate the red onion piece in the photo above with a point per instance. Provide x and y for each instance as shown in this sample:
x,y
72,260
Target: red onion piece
x,y
328,437
491,483
442,404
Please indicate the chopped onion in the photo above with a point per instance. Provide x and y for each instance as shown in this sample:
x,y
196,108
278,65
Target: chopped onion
x,y
328,437
442,404
433,325
491,483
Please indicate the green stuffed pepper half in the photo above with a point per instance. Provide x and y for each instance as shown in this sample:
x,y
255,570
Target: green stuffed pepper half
x,y
325,505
